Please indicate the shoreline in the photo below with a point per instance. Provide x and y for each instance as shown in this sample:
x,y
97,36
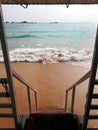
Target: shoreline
x,y
51,81
74,56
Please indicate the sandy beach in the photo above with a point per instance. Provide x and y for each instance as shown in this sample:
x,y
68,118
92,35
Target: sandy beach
x,y
51,81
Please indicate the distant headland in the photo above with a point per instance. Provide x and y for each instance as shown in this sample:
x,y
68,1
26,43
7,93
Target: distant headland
x,y
21,22
26,22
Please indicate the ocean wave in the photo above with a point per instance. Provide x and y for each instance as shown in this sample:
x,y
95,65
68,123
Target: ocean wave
x,y
49,55
23,36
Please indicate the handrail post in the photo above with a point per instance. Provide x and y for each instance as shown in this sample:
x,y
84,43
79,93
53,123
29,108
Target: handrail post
x,y
73,88
18,77
36,101
73,99
66,97
29,99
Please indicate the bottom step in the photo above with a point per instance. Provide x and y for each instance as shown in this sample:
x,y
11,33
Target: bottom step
x,y
92,128
52,121
7,129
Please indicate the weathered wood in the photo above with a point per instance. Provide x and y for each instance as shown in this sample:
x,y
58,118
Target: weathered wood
x,y
92,82
5,51
49,1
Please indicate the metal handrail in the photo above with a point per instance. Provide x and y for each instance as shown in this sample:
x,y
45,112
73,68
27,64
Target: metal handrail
x,y
18,77
73,88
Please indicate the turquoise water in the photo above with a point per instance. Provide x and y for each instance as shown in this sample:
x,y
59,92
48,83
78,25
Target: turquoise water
x,y
50,42
51,35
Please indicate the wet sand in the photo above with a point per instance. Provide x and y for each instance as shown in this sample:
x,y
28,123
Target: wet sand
x,y
51,81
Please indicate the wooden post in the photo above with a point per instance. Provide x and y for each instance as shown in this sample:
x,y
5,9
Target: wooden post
x,y
7,66
91,83
29,99
66,98
73,99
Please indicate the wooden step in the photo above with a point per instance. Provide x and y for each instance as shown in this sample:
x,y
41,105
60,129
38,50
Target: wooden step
x,y
6,115
3,80
5,105
92,128
52,121
94,107
93,117
95,96
7,128
96,82
3,94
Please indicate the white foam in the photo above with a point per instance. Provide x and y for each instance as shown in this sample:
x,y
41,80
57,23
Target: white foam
x,y
49,55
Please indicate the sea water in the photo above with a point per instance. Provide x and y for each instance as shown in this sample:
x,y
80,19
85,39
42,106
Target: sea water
x,y
50,42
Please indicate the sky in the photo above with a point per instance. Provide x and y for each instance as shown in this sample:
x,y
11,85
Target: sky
x,y
51,13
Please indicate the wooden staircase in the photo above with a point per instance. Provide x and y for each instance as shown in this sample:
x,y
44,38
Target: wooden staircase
x,y
92,95
52,121
6,104
3,95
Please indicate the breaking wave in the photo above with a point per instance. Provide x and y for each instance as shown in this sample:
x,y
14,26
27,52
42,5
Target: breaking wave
x,y
49,55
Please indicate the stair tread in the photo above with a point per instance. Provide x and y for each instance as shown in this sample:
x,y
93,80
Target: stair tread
x,y
7,128
51,113
3,94
93,116
94,106
51,120
5,105
92,128
95,95
6,115
96,81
